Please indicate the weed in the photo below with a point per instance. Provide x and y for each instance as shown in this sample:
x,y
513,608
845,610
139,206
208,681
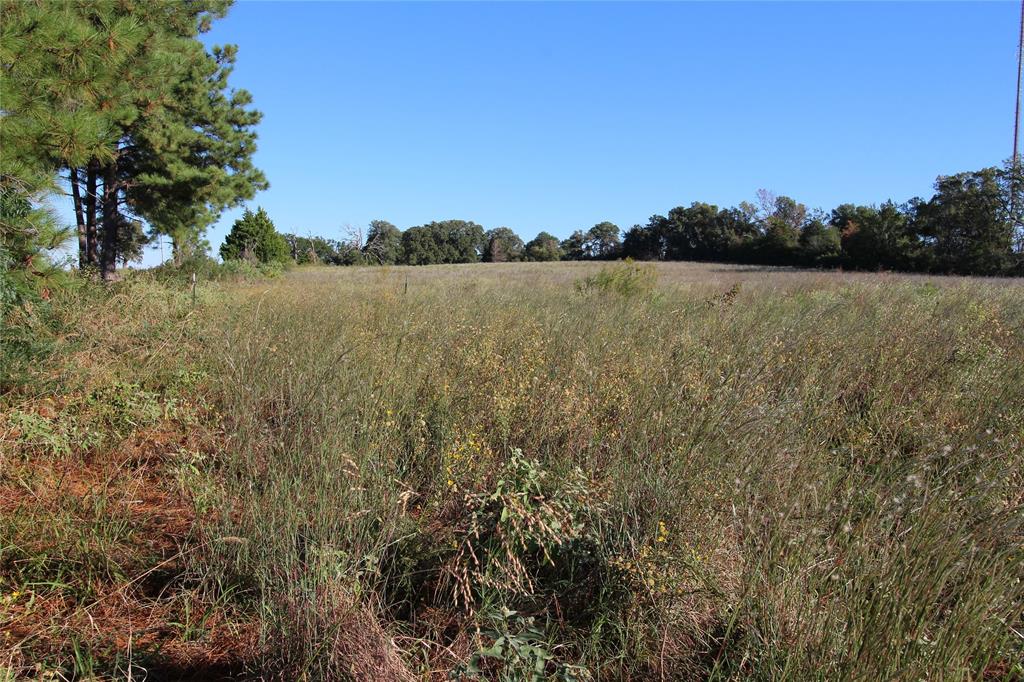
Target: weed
x,y
626,279
517,649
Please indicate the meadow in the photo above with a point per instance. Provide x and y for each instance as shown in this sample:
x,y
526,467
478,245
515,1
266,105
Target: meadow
x,y
527,471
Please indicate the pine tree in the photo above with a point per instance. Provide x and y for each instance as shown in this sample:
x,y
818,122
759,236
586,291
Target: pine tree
x,y
253,237
124,97
197,160
28,227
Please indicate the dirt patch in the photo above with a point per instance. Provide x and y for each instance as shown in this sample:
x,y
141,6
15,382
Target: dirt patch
x,y
95,572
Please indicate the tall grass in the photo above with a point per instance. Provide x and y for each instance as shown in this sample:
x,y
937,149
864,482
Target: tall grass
x,y
491,472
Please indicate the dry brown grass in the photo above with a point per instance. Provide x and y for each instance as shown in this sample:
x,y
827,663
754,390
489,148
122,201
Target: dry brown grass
x,y
769,456
727,473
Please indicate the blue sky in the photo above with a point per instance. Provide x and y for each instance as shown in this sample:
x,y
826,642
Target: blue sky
x,y
556,116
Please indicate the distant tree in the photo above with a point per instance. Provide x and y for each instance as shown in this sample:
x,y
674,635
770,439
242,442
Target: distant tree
x,y
312,249
779,221
741,227
697,232
1011,189
347,253
692,233
465,240
503,245
779,244
253,237
873,238
300,248
189,247
575,246
543,247
820,244
445,241
967,224
788,212
420,246
858,240
645,242
383,243
703,232
603,240
128,240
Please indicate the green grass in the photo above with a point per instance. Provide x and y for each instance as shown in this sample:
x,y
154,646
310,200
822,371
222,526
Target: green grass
x,y
577,471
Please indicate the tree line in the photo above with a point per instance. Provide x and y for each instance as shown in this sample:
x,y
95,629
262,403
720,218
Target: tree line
x,y
971,226
254,237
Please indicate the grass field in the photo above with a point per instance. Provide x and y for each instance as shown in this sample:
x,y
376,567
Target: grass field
x,y
521,472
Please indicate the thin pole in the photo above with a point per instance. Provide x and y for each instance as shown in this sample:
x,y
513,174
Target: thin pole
x,y
1016,115
1015,163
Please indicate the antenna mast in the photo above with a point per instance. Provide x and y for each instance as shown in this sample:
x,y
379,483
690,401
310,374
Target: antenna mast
x,y
1015,159
1016,116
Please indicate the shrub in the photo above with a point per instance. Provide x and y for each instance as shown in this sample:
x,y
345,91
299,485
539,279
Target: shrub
x,y
246,270
626,279
513,539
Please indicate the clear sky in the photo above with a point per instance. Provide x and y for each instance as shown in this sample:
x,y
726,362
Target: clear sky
x,y
545,116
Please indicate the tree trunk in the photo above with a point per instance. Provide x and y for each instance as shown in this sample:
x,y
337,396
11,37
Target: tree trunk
x,y
92,250
176,250
111,223
83,235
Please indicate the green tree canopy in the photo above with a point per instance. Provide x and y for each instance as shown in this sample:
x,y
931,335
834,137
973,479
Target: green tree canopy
x,y
503,245
575,246
421,246
27,233
646,242
465,239
446,241
820,244
253,237
383,243
967,223
313,249
877,237
196,161
603,240
544,247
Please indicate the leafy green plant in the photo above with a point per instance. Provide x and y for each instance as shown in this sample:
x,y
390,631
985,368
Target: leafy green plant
x,y
125,406
254,238
517,649
36,433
